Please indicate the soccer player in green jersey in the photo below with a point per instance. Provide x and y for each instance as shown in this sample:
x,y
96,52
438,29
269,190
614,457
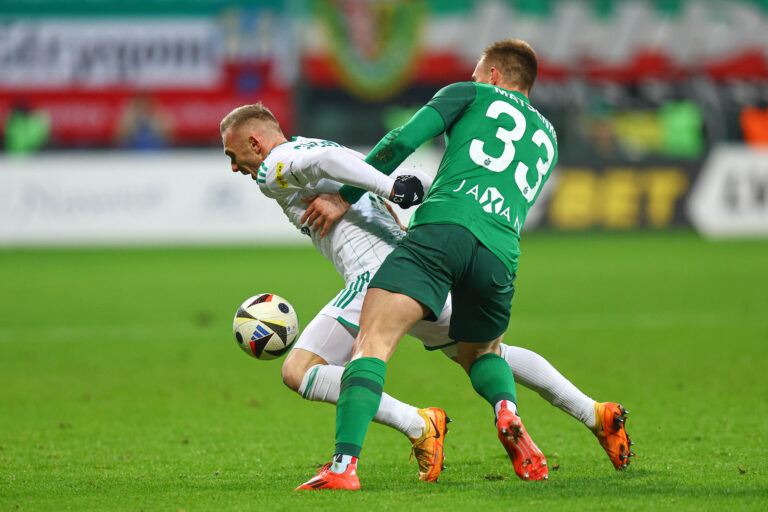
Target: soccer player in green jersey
x,y
464,238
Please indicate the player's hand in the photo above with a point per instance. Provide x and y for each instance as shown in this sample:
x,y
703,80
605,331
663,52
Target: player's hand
x,y
323,211
407,191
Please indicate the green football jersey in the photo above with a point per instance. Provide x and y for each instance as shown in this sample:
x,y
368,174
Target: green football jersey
x,y
499,154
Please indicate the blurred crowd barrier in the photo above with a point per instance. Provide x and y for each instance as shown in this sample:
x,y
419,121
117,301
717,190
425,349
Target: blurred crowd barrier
x,y
641,92
192,197
126,197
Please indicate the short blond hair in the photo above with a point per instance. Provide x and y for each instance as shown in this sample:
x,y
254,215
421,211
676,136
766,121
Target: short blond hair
x,y
515,60
247,112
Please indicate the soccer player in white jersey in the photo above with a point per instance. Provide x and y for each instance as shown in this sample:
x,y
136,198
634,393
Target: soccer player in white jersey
x,y
292,172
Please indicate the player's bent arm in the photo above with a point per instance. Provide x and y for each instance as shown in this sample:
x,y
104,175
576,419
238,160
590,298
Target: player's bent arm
x,y
346,168
398,144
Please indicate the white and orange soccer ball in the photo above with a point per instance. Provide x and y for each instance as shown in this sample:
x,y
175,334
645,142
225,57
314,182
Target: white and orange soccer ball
x,y
266,326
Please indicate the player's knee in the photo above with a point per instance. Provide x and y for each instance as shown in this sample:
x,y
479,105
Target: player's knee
x,y
292,375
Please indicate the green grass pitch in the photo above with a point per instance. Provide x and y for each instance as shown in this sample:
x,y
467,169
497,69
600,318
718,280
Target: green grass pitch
x,y
122,388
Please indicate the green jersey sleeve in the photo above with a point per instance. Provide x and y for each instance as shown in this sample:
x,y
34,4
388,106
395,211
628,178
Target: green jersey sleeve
x,y
451,101
430,121
398,144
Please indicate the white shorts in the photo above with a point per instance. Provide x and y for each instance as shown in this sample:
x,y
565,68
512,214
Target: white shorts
x,y
345,307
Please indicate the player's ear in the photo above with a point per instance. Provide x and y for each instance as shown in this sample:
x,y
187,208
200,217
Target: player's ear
x,y
495,76
254,143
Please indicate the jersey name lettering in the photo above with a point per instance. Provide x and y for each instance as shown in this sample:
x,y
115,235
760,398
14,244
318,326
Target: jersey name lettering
x,y
520,102
315,144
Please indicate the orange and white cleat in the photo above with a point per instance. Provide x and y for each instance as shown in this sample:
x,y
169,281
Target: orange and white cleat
x,y
428,448
610,431
327,479
527,459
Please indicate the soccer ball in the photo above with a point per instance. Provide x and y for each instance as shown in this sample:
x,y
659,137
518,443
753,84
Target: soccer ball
x,y
266,326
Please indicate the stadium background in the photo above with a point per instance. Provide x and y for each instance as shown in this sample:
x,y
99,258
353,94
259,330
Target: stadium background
x,y
126,243
644,95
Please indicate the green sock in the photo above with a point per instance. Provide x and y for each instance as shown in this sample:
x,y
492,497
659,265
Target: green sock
x,y
492,379
361,386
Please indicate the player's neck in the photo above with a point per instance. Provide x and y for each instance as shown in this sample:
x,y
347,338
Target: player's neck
x,y
273,143
513,88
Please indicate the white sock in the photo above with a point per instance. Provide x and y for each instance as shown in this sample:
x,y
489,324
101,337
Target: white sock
x,y
403,417
322,383
534,372
341,462
504,404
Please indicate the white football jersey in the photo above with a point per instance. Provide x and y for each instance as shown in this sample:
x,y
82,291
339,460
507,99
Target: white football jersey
x,y
303,167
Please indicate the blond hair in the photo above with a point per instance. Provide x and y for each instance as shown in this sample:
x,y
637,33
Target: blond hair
x,y
247,112
515,60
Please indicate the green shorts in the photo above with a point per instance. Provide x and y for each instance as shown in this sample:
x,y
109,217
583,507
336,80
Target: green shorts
x,y
434,259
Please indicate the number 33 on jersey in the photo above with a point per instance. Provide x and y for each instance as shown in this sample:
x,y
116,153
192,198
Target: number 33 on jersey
x,y
499,154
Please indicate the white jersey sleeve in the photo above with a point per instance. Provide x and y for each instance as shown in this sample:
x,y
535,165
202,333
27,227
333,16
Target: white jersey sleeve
x,y
345,167
301,168
303,163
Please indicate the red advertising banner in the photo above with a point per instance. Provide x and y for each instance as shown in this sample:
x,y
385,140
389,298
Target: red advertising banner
x,y
93,117
132,82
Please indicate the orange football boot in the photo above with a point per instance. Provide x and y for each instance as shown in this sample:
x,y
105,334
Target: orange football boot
x,y
610,431
327,479
428,448
527,459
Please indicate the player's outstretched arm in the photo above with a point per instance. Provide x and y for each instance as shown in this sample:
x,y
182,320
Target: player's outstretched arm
x,y
326,209
398,144
332,163
344,166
